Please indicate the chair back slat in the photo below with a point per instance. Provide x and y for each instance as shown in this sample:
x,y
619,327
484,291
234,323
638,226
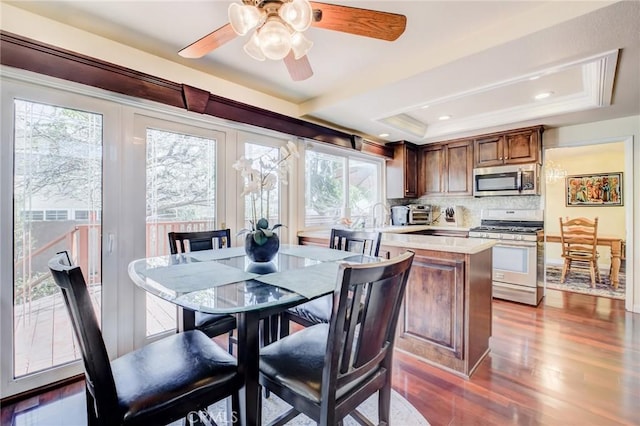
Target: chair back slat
x,y
579,236
363,242
98,371
184,242
361,338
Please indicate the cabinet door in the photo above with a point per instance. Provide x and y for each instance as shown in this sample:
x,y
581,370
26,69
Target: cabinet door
x,y
432,318
522,147
432,169
489,151
459,168
402,171
410,171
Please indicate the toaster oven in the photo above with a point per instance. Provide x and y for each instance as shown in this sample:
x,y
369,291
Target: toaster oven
x,y
419,214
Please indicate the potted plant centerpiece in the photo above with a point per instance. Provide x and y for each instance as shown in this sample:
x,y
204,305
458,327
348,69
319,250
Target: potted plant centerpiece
x,y
261,176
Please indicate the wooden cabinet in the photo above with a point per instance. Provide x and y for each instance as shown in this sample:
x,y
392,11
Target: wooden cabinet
x,y
446,168
514,147
402,171
446,312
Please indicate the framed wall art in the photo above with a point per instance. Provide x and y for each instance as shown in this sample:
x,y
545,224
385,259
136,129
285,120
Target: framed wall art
x,y
602,189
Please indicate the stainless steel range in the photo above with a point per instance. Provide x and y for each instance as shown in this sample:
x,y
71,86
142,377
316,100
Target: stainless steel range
x,y
518,257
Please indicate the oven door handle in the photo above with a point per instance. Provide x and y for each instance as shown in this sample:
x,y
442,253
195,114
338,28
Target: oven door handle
x,y
516,244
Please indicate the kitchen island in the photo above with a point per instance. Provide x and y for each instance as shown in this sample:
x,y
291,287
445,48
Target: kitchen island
x,y
446,314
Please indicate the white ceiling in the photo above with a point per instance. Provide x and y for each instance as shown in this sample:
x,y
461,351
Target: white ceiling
x,y
472,60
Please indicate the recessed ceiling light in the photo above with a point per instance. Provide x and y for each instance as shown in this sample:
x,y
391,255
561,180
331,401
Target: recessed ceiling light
x,y
444,117
424,107
383,135
543,95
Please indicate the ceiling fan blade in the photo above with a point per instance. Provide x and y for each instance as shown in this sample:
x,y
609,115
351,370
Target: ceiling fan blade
x,y
299,69
206,44
363,22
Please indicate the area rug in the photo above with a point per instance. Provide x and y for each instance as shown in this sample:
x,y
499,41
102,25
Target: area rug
x,y
579,281
70,411
402,412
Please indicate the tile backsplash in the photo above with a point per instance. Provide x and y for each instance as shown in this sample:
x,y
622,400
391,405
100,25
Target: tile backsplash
x,y
469,209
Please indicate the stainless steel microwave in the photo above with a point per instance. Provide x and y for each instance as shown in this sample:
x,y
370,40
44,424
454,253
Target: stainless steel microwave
x,y
521,179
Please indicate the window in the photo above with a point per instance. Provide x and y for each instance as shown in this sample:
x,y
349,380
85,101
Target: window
x,y
340,186
58,158
181,196
56,215
33,215
267,205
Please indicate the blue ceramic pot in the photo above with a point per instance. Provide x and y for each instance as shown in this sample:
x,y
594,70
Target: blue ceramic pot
x,y
264,252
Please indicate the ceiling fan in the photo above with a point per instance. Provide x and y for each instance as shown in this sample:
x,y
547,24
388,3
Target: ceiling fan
x,y
280,25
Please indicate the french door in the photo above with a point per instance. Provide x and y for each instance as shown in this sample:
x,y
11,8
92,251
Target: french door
x,y
52,198
106,181
274,205
179,188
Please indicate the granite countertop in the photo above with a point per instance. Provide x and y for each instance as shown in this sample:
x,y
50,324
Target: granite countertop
x,y
396,236
446,244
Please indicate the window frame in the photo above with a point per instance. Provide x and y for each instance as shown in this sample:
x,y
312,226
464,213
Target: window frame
x,y
347,155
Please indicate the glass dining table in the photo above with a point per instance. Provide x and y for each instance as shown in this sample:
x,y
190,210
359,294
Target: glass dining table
x,y
225,281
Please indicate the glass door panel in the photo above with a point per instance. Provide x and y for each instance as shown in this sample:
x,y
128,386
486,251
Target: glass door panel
x,y
364,189
57,196
181,196
325,188
267,203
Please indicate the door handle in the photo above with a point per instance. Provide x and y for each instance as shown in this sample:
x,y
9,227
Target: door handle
x,y
110,242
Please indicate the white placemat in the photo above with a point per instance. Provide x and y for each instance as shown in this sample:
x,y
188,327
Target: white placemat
x,y
188,277
310,282
216,254
323,254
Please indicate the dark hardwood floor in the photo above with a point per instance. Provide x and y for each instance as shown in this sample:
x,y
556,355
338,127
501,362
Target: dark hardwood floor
x,y
573,360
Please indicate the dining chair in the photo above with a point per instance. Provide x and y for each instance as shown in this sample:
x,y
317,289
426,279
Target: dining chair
x,y
318,310
169,379
579,238
183,242
327,370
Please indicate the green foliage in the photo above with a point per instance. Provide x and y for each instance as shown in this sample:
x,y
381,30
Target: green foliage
x,y
326,185
262,232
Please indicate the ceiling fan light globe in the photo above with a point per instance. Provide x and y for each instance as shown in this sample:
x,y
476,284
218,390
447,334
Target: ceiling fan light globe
x,y
252,48
243,18
274,40
300,45
297,13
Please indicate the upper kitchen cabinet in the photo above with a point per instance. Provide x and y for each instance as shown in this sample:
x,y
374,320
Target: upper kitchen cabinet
x,y
402,171
514,147
446,168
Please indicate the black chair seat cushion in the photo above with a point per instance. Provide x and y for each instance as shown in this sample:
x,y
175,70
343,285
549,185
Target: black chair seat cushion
x,y
165,371
214,324
297,360
316,311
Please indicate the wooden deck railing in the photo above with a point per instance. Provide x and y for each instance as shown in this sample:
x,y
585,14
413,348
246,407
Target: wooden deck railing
x,y
78,241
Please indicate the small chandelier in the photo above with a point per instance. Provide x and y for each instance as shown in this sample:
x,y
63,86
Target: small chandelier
x,y
554,172
279,26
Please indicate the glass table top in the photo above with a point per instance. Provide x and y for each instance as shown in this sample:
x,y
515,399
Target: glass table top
x,y
226,281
